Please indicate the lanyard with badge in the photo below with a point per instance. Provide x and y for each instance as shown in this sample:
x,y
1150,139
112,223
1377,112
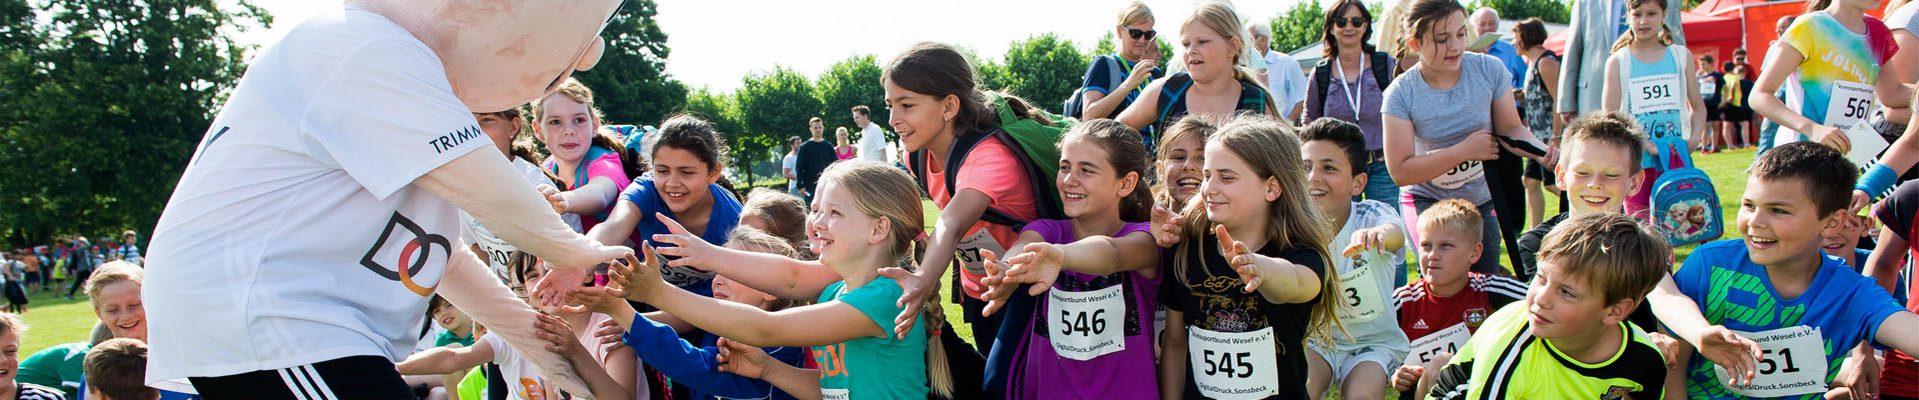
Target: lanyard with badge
x,y
1235,365
1792,362
1352,94
1090,323
1359,295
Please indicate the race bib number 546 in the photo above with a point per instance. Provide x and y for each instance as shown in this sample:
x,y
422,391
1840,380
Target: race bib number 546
x,y
1231,366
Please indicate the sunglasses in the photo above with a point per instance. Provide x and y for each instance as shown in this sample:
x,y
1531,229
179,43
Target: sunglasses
x,y
1139,34
1350,21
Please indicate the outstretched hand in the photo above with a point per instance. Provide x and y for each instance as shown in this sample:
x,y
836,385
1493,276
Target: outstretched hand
x,y
742,359
916,288
636,279
1240,258
999,285
1167,227
1737,354
689,249
558,336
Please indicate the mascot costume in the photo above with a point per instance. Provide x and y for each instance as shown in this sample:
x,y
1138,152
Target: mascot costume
x,y
320,211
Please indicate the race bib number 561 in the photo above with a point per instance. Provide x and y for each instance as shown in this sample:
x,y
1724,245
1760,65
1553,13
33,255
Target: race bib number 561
x,y
1231,366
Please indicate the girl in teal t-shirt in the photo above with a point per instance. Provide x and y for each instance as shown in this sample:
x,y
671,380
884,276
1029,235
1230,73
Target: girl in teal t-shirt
x,y
865,217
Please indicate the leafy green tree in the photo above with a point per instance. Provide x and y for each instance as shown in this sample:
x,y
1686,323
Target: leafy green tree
x,y
772,105
1298,27
1547,10
1044,68
115,94
850,82
630,83
721,110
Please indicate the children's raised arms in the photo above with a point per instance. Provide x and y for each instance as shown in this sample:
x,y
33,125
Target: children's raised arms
x,y
1379,238
1167,226
691,250
1240,258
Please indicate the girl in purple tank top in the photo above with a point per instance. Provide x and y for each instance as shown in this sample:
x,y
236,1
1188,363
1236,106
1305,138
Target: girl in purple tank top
x,y
1094,278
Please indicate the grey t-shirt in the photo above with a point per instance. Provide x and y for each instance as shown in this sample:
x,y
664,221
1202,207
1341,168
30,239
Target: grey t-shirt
x,y
1905,18
1442,118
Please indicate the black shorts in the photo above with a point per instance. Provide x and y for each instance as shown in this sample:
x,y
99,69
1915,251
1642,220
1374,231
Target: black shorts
x,y
1735,114
357,377
1540,172
1712,111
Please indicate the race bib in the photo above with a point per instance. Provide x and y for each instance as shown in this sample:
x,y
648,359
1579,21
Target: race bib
x,y
1850,105
835,394
1233,366
1655,93
1359,297
1087,324
1460,175
1708,85
499,253
1448,340
1792,363
969,248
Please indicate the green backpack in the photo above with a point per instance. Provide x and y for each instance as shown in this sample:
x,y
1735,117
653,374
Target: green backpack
x,y
1034,142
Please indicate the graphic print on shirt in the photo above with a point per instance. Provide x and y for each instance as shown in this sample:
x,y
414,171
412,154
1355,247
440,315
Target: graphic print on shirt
x,y
400,254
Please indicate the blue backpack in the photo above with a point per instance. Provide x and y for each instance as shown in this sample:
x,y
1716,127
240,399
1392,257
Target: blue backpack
x,y
1684,202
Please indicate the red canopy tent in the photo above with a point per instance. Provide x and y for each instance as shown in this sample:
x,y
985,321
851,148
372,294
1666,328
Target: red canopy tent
x,y
1705,34
1718,27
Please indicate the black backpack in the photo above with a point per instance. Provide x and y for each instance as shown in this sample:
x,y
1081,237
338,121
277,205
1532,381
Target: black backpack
x,y
1031,141
1381,65
1115,72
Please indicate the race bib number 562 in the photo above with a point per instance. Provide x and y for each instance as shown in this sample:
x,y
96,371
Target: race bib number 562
x,y
1231,366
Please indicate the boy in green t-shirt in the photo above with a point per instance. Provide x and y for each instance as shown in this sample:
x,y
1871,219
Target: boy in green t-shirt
x,y
1569,338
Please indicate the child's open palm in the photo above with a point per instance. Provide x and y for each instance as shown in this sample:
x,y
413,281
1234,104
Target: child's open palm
x,y
999,285
690,250
1240,258
635,278
742,359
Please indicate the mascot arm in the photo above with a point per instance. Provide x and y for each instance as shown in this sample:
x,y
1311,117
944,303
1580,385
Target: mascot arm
x,y
469,285
488,188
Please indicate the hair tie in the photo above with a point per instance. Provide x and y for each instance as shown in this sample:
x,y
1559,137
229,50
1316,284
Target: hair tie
x,y
922,236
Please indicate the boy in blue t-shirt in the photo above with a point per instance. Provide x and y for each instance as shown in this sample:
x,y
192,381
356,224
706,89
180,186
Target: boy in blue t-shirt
x,y
1806,309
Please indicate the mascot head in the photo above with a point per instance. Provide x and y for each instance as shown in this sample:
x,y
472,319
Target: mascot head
x,y
503,53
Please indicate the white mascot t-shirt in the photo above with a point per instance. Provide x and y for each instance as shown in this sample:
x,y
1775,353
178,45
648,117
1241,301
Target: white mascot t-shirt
x,y
294,235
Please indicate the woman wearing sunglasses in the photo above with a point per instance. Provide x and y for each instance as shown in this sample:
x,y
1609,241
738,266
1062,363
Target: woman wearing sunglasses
x,y
1348,85
1136,64
1214,83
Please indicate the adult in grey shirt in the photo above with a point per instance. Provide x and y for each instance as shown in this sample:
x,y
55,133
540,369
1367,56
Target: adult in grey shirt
x,y
1438,137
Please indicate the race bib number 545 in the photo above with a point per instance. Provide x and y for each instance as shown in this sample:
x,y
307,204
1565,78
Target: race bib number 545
x,y
1232,366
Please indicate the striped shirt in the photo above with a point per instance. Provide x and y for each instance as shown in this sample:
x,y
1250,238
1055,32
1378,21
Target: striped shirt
x,y
1422,313
30,391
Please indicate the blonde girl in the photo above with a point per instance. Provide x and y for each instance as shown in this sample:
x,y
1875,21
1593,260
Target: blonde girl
x,y
584,158
1246,281
865,217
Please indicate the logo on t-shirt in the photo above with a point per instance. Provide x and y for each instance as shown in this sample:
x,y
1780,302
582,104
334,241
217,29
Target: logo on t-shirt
x,y
453,139
1474,316
1616,393
407,250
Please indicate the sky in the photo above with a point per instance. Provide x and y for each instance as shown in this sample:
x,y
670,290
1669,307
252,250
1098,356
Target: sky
x,y
715,43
